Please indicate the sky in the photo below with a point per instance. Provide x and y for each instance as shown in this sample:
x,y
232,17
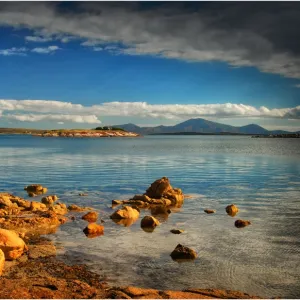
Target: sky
x,y
89,64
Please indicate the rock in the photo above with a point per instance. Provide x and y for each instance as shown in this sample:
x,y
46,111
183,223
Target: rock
x,y
127,212
41,250
35,206
5,201
31,194
11,244
83,194
176,196
35,188
209,211
232,210
124,222
90,216
94,229
74,207
49,200
59,208
149,223
176,231
144,198
160,210
158,188
117,202
2,261
241,223
182,253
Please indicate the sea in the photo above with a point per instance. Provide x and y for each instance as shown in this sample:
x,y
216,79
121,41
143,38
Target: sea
x,y
261,176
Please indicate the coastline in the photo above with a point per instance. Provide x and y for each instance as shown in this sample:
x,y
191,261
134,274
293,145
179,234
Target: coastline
x,y
37,271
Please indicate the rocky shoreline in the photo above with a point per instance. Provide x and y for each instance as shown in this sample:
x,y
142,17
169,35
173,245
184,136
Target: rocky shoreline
x,y
29,267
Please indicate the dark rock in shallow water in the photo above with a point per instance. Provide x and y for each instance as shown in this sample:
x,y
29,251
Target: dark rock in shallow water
x,y
209,211
93,229
241,223
183,253
176,231
149,222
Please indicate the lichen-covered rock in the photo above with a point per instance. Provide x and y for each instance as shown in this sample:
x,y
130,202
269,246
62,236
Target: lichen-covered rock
x,y
2,261
183,253
93,229
11,244
149,222
49,200
127,212
241,223
91,216
209,211
37,206
232,210
176,231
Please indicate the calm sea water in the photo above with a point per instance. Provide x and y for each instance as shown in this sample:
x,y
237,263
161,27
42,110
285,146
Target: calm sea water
x,y
260,176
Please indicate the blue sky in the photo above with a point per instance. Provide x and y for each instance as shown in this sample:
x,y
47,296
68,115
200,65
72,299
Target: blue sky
x,y
139,76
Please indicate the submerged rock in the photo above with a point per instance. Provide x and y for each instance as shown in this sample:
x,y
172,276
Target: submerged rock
x,y
11,244
94,229
127,212
176,231
232,210
183,253
35,188
2,261
241,223
49,200
125,222
209,211
90,216
74,207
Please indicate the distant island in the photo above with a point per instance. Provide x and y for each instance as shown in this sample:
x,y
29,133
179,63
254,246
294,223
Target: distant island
x,y
204,127
77,133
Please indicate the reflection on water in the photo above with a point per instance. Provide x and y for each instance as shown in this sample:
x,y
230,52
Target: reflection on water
x,y
260,176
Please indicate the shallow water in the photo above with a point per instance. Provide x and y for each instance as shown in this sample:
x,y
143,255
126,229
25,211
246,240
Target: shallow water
x,y
260,176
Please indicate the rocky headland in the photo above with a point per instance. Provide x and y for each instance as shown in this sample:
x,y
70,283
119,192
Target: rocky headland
x,y
29,267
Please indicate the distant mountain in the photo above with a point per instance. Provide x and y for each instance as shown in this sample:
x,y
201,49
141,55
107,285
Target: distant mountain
x,y
199,126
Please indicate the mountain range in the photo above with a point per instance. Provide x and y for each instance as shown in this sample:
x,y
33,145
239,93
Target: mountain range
x,y
200,126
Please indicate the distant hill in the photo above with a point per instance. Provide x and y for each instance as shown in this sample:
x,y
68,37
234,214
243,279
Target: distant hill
x,y
200,126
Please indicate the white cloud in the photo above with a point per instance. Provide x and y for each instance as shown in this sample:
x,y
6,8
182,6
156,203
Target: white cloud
x,y
88,119
145,110
45,50
38,39
241,35
14,51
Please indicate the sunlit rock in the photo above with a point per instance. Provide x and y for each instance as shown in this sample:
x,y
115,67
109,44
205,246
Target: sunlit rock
x,y
11,244
49,200
90,216
93,229
127,212
232,210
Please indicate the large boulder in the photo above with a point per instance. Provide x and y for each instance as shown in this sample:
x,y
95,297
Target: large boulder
x,y
49,200
2,261
241,223
127,212
11,244
232,210
158,188
183,253
91,216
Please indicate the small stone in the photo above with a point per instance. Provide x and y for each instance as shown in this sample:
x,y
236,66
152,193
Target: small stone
x,y
83,194
209,211
149,221
176,231
90,216
241,223
232,210
94,229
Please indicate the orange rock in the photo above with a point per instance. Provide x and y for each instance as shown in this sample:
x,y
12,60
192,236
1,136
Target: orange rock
x,y
158,188
11,244
149,221
90,216
2,261
94,229
127,212
35,206
49,200
232,210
